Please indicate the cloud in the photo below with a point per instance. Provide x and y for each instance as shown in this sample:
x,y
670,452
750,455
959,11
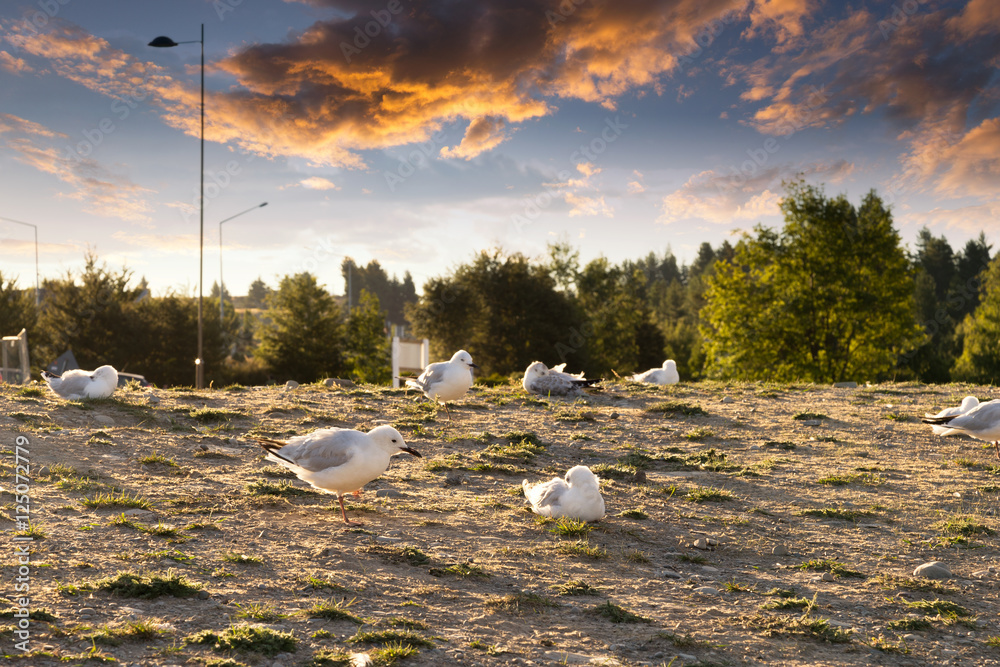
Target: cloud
x,y
482,135
576,193
318,183
102,192
716,197
928,70
782,18
14,65
331,91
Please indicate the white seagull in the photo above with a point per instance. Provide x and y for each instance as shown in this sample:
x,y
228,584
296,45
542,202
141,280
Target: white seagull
x,y
338,460
446,380
77,384
540,379
578,496
968,403
981,422
666,375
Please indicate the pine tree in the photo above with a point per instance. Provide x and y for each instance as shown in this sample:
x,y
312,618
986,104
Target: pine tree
x,y
367,343
304,339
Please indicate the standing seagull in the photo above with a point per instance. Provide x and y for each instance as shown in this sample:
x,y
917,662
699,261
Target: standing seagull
x,y
578,496
446,380
968,403
540,379
338,460
77,384
666,375
982,422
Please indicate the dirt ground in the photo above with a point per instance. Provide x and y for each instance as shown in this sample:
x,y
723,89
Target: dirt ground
x,y
757,524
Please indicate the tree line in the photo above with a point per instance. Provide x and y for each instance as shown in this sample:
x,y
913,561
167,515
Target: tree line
x,y
831,295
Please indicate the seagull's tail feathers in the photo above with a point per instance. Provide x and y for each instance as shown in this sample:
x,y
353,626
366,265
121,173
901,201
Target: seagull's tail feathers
x,y
414,383
361,660
586,383
271,447
931,419
50,376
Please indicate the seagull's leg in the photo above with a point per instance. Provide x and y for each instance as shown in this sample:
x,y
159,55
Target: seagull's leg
x,y
344,513
996,446
446,410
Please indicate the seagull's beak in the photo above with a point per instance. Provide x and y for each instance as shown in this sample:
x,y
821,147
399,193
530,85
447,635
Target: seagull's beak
x,y
410,450
472,365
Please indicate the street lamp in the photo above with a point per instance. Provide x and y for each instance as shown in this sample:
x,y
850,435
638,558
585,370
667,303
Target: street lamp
x,y
28,224
222,285
163,42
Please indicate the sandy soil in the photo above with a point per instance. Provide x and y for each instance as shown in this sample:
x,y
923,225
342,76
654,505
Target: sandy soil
x,y
451,562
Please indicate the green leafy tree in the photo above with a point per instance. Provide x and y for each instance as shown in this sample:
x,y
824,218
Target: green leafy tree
x,y
829,298
980,358
392,294
94,316
367,342
621,334
505,311
304,338
17,309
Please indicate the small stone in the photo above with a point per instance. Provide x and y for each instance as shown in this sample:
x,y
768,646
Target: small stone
x,y
707,590
727,399
670,574
453,479
911,638
614,415
389,493
933,570
780,550
811,422
709,569
687,657
340,382
700,543
827,576
87,611
981,574
846,385
152,399
754,448
203,595
386,539
137,512
291,384
104,420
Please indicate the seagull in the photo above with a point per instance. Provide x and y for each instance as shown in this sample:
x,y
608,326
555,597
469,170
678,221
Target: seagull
x,y
578,496
76,384
539,379
981,422
446,380
666,375
968,403
338,460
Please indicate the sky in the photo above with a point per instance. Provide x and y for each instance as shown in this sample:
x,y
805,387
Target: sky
x,y
419,132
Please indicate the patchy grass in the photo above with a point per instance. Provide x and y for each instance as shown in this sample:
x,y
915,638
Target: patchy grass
x,y
117,500
248,638
575,587
144,586
943,608
709,495
283,489
334,611
818,629
520,603
582,548
831,566
616,614
213,415
670,408
565,527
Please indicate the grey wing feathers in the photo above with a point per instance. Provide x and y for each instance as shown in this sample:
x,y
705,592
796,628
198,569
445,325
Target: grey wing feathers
x,y
552,496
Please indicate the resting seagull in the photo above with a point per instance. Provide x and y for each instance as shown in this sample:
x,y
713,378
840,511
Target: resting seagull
x,y
968,403
540,379
666,375
338,460
981,422
76,384
446,380
578,496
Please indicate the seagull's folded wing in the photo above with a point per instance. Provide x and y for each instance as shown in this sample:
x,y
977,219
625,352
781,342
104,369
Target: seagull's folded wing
x,y
324,453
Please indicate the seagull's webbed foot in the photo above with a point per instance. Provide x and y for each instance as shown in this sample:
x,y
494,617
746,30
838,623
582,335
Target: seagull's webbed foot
x,y
343,513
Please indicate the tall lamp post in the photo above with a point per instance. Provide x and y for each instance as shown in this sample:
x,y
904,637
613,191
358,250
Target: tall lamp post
x,y
222,285
28,224
199,366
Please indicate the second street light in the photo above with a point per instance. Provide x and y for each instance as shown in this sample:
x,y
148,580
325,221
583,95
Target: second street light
x,y
222,285
199,365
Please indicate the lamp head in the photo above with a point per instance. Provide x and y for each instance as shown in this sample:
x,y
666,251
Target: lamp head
x,y
163,41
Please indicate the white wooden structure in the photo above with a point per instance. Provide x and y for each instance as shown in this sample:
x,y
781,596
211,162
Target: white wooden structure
x,y
14,366
409,355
